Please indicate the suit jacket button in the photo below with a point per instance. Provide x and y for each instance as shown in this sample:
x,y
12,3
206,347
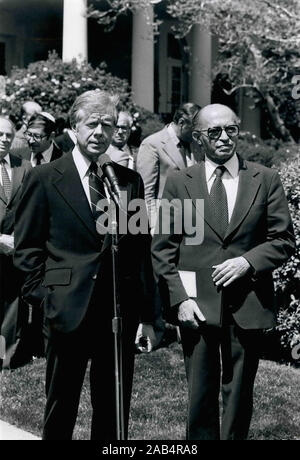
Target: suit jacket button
x,y
224,246
94,277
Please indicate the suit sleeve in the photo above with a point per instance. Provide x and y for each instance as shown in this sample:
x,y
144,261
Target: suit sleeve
x,y
280,240
147,166
145,269
31,230
165,248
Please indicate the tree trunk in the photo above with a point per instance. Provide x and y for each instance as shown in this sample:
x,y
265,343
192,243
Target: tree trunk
x,y
277,120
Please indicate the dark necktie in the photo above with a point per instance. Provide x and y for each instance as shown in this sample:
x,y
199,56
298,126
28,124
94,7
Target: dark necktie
x,y
97,193
5,180
218,201
38,159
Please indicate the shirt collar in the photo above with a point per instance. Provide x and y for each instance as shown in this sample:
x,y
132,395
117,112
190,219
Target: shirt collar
x,y
46,154
82,163
232,166
7,160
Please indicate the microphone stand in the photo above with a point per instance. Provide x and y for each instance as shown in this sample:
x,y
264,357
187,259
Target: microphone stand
x,y
117,319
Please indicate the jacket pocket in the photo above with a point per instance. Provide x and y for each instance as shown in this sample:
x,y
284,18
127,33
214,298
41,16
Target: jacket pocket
x,y
57,277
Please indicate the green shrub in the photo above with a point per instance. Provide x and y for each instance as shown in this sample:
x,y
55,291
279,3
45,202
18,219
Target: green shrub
x,y
269,152
287,277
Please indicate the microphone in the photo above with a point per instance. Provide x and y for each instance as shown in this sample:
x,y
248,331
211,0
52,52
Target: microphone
x,y
110,178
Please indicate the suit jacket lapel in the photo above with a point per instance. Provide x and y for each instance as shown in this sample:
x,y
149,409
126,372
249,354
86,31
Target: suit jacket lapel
x,y
18,173
172,150
69,185
249,184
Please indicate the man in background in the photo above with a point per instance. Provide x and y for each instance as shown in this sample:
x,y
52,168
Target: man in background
x,y
19,146
40,134
119,150
167,150
12,311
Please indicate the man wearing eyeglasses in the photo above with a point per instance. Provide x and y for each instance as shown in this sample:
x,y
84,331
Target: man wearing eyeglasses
x,y
220,287
39,135
119,150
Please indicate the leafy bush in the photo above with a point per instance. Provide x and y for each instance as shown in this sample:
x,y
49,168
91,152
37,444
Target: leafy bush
x,y
267,152
55,84
287,277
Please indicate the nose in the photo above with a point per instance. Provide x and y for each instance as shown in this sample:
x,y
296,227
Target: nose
x,y
99,130
224,135
4,137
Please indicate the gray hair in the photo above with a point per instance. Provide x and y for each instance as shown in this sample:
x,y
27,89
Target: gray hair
x,y
93,101
10,122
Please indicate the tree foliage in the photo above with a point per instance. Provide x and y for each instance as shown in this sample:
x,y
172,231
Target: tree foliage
x,y
258,46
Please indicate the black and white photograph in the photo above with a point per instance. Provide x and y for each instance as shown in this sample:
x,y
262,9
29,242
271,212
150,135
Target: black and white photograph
x,y
149,223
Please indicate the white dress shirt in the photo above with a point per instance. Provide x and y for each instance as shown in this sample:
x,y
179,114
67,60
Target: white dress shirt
x,y
46,156
230,179
189,156
82,164
8,168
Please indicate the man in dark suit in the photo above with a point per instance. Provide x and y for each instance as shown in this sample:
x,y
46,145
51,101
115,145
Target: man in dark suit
x,y
13,171
217,272
40,134
67,266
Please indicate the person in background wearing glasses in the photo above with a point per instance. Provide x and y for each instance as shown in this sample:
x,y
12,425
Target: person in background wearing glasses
x,y
119,150
39,135
19,146
219,287
12,311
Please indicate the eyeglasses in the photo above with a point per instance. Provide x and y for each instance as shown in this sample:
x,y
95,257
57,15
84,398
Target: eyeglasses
x,y
34,136
122,128
215,133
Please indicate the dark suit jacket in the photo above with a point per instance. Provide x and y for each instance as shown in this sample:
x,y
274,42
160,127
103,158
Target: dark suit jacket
x,y
64,142
10,277
61,254
260,230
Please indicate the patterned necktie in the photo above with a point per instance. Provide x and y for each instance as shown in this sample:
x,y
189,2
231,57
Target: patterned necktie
x,y
218,201
97,193
38,158
5,180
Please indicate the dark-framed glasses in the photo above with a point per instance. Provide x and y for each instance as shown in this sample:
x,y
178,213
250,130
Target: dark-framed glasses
x,y
215,133
34,136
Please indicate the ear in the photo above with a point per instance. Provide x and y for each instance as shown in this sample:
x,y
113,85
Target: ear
x,y
52,136
197,137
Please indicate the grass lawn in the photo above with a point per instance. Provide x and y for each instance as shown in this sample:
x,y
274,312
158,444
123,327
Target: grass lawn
x,y
159,399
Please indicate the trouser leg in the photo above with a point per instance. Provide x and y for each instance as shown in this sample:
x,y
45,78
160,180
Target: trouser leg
x,y
66,364
202,361
240,360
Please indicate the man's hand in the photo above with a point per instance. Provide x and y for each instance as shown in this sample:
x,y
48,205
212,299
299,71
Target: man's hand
x,y
6,244
188,311
145,338
229,271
